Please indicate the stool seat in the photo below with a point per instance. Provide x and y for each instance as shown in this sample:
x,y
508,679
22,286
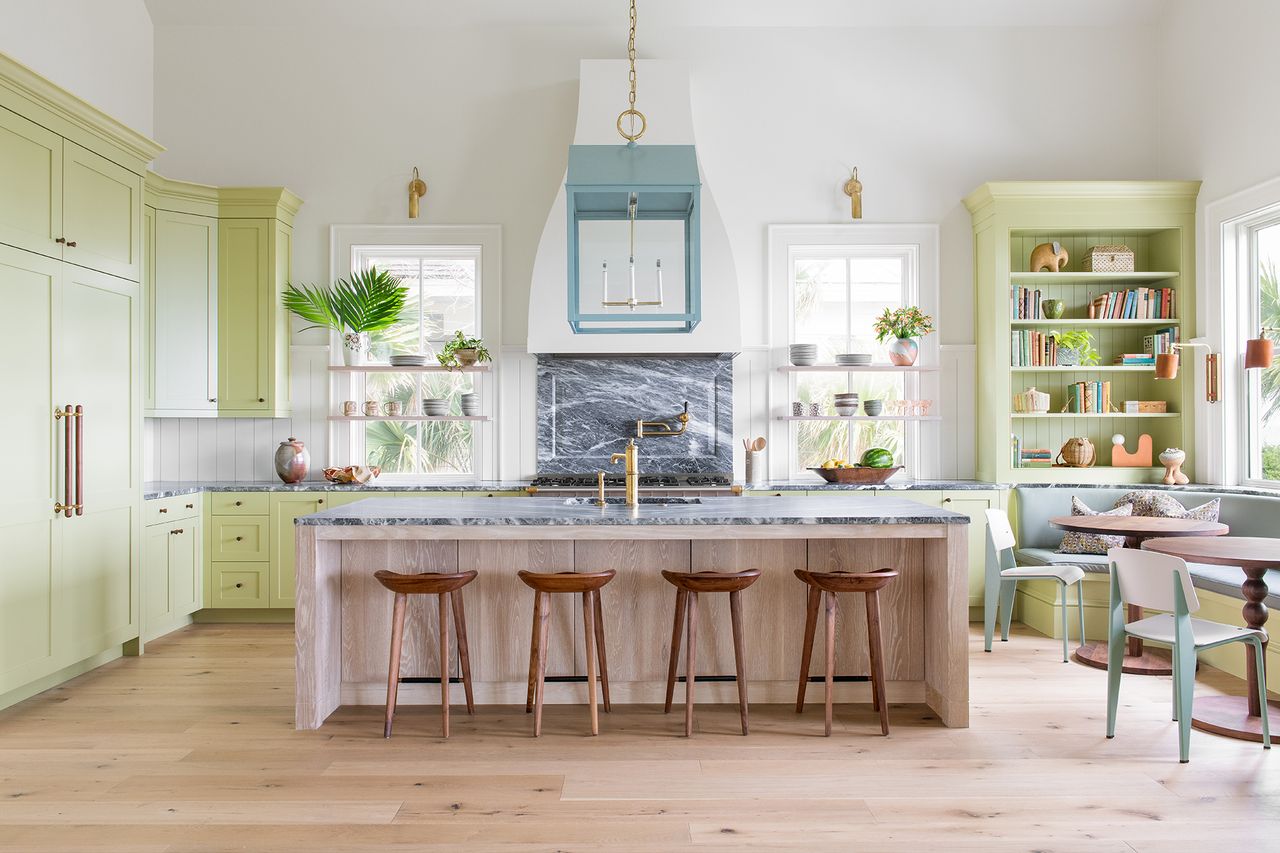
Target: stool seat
x,y
427,583
566,581
848,581
711,581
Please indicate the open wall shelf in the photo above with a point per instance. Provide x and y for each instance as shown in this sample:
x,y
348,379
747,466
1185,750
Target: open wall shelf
x,y
1156,219
389,368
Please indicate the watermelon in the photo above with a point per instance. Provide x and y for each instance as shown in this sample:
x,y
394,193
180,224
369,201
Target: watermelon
x,y
878,457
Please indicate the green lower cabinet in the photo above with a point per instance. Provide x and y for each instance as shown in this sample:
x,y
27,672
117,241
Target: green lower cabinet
x,y
975,505
239,585
173,576
285,507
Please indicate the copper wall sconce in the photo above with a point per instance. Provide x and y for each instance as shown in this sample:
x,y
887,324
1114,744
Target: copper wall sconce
x,y
1260,352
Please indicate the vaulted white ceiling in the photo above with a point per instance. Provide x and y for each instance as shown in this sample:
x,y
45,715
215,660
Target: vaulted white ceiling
x,y
662,13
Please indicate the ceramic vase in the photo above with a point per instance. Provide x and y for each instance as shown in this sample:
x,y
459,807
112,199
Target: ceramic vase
x,y
292,461
904,351
1052,308
354,347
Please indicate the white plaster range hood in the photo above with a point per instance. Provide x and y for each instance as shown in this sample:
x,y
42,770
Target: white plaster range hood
x,y
664,99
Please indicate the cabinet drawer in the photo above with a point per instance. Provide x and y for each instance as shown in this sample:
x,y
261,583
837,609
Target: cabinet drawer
x,y
163,510
239,585
240,539
240,503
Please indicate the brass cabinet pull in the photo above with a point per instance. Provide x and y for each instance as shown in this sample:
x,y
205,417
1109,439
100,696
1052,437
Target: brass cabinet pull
x,y
946,500
71,243
237,503
73,471
262,399
191,506
176,532
319,500
239,538
164,509
239,586
60,240
213,399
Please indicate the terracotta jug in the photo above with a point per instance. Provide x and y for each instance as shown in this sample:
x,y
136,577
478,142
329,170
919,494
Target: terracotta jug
x,y
1077,453
292,461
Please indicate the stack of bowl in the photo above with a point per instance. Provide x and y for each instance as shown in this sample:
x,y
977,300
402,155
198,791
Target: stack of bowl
x,y
846,403
435,407
854,359
803,355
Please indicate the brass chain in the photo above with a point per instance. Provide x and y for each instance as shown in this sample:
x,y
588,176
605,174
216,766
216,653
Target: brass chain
x,y
631,114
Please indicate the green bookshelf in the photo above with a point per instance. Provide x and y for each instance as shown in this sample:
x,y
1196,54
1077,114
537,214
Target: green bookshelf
x,y
1156,219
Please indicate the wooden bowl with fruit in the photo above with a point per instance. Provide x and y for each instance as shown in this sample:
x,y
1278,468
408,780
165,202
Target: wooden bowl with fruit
x,y
875,468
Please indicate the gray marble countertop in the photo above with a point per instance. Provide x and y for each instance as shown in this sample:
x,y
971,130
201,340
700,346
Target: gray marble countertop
x,y
818,485
834,509
170,488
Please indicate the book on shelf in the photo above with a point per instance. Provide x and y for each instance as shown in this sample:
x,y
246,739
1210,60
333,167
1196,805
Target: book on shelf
x,y
1088,398
1140,303
1160,342
1135,359
1029,348
1024,304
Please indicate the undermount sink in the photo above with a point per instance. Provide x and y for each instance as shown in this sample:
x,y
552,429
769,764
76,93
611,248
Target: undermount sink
x,y
615,501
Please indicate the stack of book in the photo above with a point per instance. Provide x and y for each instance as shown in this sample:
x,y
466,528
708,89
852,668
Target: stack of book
x,y
1024,304
1033,349
1142,303
1135,359
1035,458
1160,341
1089,397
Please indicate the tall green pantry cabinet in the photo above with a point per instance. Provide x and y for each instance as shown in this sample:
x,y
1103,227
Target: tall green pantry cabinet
x,y
70,262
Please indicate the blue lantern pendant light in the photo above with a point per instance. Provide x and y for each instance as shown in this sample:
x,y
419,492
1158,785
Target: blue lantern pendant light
x,y
639,206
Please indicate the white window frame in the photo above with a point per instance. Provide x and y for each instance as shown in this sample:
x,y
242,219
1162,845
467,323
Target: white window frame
x,y
916,242
1249,320
484,242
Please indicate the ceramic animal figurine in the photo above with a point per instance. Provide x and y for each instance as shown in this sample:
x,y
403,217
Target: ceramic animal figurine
x,y
1048,257
1172,458
1077,453
1121,458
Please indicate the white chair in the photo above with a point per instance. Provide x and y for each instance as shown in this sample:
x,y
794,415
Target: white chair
x,y
1003,574
1162,582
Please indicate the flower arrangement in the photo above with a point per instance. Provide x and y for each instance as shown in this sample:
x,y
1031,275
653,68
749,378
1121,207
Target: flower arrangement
x,y
902,323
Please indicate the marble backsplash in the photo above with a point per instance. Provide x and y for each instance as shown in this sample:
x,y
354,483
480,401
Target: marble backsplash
x,y
588,407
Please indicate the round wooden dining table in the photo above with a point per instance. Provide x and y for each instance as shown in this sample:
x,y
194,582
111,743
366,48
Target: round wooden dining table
x,y
1136,529
1234,716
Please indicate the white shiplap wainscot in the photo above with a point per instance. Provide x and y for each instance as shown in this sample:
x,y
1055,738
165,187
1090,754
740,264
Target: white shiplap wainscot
x,y
242,448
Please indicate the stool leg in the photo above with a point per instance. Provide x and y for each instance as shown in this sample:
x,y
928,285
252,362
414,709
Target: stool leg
x,y
739,655
806,653
600,649
875,645
589,638
533,651
674,656
831,652
691,645
544,627
393,671
464,653
444,663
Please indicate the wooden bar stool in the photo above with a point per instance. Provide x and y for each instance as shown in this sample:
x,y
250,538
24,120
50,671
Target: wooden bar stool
x,y
543,585
827,585
440,585
688,585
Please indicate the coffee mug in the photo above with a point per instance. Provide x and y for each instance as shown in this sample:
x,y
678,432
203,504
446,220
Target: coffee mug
x,y
392,408
371,408
349,408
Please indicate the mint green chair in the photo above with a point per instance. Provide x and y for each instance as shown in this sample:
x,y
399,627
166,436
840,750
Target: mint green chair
x,y
1163,582
1003,574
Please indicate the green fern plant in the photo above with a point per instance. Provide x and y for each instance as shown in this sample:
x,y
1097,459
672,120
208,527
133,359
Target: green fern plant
x,y
370,300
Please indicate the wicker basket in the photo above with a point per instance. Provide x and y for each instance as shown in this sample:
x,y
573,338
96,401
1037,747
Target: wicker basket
x,y
1108,259
1077,453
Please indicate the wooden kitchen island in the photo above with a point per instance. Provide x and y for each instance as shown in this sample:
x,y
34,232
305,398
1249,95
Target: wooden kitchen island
x,y
343,616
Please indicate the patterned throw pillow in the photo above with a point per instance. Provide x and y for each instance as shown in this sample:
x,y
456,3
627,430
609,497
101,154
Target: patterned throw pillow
x,y
1092,543
1148,502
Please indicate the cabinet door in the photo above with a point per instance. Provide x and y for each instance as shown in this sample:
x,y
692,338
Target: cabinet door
x,y
186,578
101,213
30,185
148,280
284,509
185,314
96,345
157,591
975,505
28,289
244,315
236,539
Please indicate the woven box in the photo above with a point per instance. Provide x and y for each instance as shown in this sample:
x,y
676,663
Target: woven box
x,y
1108,259
1145,407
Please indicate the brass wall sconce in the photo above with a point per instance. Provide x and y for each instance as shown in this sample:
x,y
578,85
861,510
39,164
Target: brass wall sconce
x,y
417,189
663,429
1260,352
853,189
1167,363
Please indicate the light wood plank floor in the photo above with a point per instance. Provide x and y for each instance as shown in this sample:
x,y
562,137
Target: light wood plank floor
x,y
191,748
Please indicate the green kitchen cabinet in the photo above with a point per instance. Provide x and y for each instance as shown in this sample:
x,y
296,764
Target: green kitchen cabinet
x,y
101,213
173,576
975,504
240,539
255,244
285,507
239,585
31,175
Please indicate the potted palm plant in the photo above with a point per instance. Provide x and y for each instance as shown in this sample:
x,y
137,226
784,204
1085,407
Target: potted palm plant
x,y
370,300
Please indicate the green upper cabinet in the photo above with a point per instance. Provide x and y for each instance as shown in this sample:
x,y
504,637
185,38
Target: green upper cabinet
x,y
101,213
30,185
255,243
180,275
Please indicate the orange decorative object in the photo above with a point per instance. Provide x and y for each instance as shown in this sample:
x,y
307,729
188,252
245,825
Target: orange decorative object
x,y
1121,458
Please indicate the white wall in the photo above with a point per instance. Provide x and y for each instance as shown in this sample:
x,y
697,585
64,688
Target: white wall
x,y
341,115
99,50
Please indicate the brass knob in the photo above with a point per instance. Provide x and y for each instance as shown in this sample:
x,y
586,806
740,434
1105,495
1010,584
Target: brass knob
x,y
164,509
237,503
71,243
191,506
262,399
946,500
239,538
239,586
175,532
320,500
60,240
